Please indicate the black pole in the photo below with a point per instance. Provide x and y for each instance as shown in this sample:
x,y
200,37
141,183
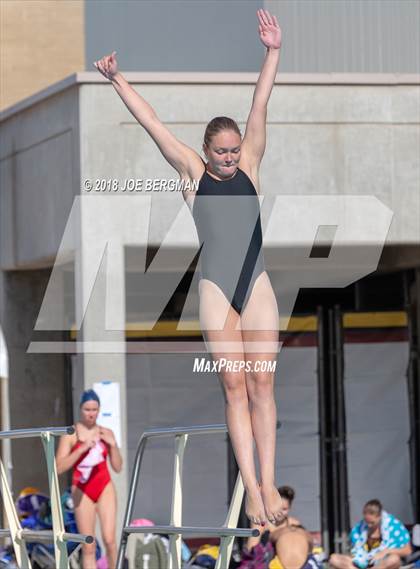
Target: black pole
x,y
413,387
323,430
335,495
341,451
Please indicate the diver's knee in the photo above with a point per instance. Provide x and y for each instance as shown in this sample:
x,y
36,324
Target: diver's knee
x,y
235,388
260,385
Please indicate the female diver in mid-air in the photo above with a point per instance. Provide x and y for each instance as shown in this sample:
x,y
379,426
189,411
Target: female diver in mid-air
x,y
244,316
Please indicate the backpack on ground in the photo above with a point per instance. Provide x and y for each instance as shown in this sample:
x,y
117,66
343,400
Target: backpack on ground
x,y
151,554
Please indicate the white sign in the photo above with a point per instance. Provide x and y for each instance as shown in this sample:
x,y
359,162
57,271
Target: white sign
x,y
109,413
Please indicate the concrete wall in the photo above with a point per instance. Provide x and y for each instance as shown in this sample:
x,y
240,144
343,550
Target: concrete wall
x,y
39,172
322,139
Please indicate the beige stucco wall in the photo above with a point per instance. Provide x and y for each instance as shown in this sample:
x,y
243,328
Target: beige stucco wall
x,y
41,42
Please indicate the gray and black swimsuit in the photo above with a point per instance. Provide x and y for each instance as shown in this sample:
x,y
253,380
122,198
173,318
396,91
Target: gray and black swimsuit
x,y
227,217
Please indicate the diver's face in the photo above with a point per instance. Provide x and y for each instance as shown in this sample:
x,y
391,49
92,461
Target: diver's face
x,y
89,412
224,153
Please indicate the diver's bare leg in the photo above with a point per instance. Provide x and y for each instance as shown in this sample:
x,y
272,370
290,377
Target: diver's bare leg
x,y
260,325
226,345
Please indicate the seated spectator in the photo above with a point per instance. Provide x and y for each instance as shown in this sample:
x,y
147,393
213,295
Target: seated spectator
x,y
293,546
378,540
287,541
287,496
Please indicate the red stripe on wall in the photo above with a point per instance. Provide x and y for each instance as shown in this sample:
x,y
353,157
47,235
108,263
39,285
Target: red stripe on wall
x,y
376,336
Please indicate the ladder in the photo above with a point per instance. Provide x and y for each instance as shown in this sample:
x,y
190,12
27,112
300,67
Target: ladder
x,y
175,530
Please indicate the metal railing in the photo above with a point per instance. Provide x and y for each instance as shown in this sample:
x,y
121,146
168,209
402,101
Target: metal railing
x,y
57,535
227,532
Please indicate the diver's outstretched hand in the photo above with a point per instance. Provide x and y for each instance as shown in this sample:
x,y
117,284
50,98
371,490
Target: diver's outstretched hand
x,y
107,65
270,32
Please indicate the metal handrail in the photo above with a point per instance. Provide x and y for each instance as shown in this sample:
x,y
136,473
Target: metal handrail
x,y
28,433
227,533
194,531
57,535
194,430
47,535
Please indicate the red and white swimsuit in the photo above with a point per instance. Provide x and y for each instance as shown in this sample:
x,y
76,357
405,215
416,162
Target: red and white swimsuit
x,y
90,472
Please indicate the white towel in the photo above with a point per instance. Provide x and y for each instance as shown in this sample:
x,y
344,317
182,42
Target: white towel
x,y
95,456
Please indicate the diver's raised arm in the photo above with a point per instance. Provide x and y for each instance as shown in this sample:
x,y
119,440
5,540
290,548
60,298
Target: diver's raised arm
x,y
270,35
253,144
178,154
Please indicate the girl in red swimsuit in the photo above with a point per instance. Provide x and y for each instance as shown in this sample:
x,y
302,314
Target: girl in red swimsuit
x,y
93,491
